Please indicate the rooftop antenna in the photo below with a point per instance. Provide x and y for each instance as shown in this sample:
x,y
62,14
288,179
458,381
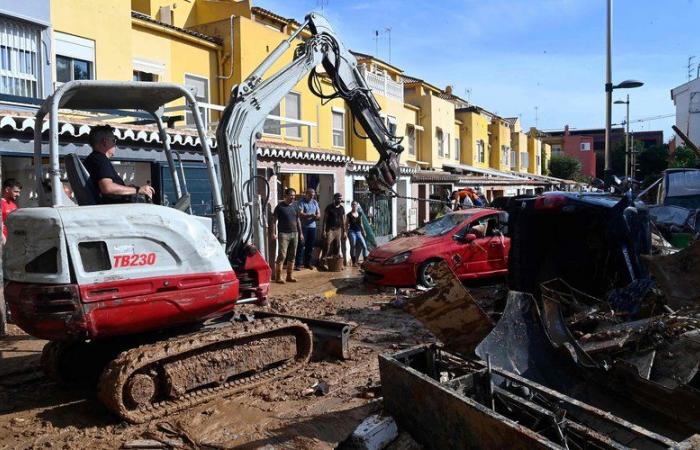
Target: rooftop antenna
x,y
536,116
690,67
376,43
377,33
321,4
468,94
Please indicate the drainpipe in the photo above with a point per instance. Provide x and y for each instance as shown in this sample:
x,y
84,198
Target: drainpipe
x,y
222,79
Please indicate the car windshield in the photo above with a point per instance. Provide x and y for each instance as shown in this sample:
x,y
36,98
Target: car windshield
x,y
684,189
444,224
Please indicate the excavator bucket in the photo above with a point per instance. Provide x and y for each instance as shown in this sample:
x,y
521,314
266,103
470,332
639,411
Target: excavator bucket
x,y
678,276
450,312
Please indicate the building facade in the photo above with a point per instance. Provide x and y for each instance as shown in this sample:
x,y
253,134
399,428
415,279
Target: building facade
x,y
686,99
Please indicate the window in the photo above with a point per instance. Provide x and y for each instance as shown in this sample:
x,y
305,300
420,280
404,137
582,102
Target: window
x,y
457,149
556,148
411,139
75,58
480,151
147,69
272,126
19,58
338,129
513,159
585,146
505,155
292,110
524,160
391,125
200,88
94,256
440,141
69,69
447,150
144,76
539,162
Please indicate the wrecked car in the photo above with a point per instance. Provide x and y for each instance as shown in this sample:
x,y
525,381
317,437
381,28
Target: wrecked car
x,y
473,242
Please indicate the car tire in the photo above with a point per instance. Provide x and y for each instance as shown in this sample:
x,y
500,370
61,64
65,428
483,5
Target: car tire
x,y
424,279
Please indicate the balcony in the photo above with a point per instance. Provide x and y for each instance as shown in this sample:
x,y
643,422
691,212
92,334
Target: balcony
x,y
381,84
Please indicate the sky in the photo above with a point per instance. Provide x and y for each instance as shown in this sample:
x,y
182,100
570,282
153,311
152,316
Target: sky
x,y
541,60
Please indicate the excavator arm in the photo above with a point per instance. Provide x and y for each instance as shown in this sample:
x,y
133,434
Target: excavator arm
x,y
252,101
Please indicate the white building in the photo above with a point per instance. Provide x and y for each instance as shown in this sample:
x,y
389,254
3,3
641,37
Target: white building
x,y
686,97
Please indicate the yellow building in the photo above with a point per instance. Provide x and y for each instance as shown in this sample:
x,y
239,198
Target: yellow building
x,y
499,144
534,149
475,136
546,157
114,40
519,157
440,141
401,119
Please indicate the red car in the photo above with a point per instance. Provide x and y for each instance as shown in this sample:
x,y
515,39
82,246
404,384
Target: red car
x,y
472,241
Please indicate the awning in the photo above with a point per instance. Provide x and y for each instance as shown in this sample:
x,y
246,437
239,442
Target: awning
x,y
275,150
80,128
364,166
490,172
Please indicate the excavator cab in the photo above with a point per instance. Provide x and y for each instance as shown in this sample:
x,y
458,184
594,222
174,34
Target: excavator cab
x,y
89,271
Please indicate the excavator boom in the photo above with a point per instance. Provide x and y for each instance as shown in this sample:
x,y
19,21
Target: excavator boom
x,y
252,101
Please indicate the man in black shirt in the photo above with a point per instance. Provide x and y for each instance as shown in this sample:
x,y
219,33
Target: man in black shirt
x,y
286,216
333,229
106,180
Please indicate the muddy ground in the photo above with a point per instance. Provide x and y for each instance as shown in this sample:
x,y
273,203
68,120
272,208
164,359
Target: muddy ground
x,y
38,413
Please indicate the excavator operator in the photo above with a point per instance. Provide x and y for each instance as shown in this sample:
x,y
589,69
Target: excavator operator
x,y
104,177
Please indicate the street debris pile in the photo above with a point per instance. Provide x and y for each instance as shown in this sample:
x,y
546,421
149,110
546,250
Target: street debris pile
x,y
597,345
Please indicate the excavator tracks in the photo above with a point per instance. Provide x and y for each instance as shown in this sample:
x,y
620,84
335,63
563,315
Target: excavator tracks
x,y
168,376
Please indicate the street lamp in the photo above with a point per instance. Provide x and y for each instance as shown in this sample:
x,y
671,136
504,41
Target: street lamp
x,y
627,133
627,84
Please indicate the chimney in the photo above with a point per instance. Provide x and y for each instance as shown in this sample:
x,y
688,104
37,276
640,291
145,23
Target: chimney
x,y
566,130
448,89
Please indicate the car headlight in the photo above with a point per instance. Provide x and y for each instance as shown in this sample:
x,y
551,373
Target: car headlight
x,y
398,259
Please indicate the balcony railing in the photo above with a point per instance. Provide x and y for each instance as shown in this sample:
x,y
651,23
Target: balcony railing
x,y
383,85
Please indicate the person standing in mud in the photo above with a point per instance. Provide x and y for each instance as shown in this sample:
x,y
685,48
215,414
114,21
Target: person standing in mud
x,y
309,214
333,230
285,219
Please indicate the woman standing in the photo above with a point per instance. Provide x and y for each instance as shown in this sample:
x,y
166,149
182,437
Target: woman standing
x,y
355,232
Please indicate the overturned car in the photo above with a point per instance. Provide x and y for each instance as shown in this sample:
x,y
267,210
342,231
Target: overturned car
x,y
589,313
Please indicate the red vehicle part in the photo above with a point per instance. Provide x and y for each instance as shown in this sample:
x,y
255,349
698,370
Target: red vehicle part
x,y
256,276
121,307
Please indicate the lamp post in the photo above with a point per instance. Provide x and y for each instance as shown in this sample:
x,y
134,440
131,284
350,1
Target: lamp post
x,y
627,132
609,87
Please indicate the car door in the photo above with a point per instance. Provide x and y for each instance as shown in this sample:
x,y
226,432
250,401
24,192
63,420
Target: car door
x,y
472,256
461,253
487,253
498,244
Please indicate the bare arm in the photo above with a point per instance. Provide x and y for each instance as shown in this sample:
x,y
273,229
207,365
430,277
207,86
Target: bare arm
x,y
109,187
301,234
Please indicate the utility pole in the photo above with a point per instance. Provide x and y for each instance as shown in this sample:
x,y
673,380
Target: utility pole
x,y
628,157
608,93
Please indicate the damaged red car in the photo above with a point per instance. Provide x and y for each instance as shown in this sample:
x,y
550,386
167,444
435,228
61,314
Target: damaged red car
x,y
474,243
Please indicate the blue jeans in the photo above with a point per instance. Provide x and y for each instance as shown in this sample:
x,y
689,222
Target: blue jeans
x,y
357,245
306,249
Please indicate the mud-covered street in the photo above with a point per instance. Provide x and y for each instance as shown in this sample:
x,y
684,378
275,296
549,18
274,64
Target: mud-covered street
x,y
38,413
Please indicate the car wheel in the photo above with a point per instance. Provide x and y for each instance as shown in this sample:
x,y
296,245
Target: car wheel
x,y
424,278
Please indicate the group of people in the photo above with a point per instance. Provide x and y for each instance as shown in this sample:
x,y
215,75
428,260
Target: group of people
x,y
295,225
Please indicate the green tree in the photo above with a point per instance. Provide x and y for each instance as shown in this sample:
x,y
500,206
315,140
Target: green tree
x,y
684,157
651,161
564,166
544,164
